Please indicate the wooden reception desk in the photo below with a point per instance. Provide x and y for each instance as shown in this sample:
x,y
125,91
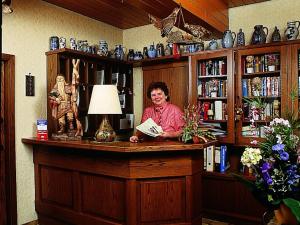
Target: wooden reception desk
x,y
86,183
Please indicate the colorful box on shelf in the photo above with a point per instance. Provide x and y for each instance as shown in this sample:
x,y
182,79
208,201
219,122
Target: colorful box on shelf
x,y
42,131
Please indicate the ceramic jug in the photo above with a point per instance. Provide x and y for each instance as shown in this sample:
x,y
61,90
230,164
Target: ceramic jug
x,y
240,41
160,50
169,49
130,55
292,30
103,48
119,52
276,35
151,51
145,52
259,35
228,39
213,45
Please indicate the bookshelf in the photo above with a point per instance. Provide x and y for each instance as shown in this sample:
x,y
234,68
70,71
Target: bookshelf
x,y
261,77
212,77
93,69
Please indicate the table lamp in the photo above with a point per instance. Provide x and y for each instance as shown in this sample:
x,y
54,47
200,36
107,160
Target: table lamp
x,y
105,100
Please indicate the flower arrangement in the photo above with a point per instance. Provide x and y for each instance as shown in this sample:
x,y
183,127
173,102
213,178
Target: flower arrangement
x,y
275,164
192,127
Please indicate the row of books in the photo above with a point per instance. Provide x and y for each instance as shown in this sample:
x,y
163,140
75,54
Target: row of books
x,y
258,131
260,63
212,88
215,158
212,67
271,110
216,110
261,86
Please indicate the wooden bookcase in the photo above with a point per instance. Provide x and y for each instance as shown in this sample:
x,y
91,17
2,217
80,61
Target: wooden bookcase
x,y
211,80
270,86
92,69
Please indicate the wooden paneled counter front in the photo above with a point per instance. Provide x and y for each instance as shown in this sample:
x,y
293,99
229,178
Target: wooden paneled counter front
x,y
87,183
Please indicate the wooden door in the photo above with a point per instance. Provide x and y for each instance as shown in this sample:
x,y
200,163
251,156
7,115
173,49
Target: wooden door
x,y
8,206
175,75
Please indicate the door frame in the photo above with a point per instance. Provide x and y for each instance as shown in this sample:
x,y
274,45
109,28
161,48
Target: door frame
x,y
8,107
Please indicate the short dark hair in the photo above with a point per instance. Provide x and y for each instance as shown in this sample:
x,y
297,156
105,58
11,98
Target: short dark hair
x,y
158,85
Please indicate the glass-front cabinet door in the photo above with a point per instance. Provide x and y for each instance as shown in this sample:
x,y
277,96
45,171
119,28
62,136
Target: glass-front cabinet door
x,y
212,90
262,92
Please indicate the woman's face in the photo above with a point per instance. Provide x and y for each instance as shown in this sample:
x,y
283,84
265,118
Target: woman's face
x,y
158,96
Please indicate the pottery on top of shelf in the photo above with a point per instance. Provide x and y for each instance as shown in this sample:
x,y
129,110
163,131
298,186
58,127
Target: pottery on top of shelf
x,y
240,39
276,35
259,35
292,30
228,39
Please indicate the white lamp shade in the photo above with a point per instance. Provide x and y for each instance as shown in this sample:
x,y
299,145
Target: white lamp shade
x,y
105,100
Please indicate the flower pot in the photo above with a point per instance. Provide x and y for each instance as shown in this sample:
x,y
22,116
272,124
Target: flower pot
x,y
271,68
285,216
250,70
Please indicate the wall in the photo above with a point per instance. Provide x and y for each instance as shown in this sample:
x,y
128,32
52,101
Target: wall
x,y
25,34
270,14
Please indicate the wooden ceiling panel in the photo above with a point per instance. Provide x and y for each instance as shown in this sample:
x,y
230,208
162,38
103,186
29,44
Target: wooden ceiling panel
x,y
125,14
236,3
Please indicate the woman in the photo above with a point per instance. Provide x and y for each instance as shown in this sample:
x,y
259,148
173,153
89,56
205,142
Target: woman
x,y
165,114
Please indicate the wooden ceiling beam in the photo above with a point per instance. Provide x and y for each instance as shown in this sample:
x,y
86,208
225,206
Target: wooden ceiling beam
x,y
214,13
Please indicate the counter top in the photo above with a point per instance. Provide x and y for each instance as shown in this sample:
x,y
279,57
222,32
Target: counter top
x,y
120,146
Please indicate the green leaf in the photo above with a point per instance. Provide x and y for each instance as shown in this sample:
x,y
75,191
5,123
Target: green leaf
x,y
294,205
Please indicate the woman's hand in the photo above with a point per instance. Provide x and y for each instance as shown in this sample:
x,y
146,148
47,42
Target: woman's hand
x,y
134,139
171,134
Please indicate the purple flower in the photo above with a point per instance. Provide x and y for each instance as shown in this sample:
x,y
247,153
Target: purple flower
x,y
265,167
278,147
284,156
267,178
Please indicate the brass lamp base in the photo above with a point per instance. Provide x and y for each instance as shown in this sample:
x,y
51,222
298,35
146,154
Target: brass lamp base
x,y
105,133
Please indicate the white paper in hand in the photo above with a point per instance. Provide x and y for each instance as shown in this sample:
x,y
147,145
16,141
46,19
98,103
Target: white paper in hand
x,y
150,128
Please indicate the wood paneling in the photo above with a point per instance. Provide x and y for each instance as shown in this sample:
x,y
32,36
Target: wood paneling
x,y
236,3
163,200
55,189
103,196
175,75
8,202
223,195
80,186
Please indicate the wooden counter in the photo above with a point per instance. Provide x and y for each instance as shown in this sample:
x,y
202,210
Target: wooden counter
x,y
87,183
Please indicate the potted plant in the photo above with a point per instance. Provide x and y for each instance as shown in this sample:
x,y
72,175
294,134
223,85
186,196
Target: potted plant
x,y
276,169
193,132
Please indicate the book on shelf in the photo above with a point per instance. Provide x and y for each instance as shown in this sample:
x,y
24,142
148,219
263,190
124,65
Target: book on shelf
x,y
150,128
216,159
212,67
210,158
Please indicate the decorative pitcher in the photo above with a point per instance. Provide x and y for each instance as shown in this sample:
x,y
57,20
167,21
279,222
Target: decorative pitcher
x,y
228,39
119,52
259,35
213,45
151,51
292,30
103,48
